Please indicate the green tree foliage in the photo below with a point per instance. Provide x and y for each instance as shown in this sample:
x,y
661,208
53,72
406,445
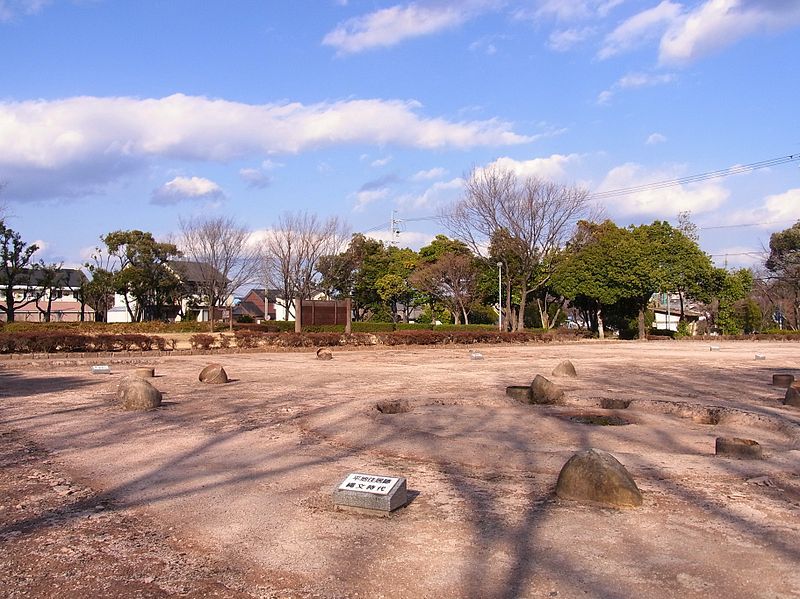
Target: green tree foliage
x,y
783,266
16,269
734,315
140,273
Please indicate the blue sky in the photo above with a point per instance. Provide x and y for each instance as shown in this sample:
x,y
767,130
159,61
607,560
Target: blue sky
x,y
132,114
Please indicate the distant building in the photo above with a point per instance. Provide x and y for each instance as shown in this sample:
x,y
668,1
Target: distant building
x,y
62,300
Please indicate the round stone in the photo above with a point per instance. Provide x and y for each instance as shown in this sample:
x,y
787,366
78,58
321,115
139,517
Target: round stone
x,y
565,368
214,374
323,353
544,391
597,477
738,448
137,394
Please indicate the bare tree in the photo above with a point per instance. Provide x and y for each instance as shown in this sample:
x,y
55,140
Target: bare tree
x,y
453,280
522,222
223,255
292,249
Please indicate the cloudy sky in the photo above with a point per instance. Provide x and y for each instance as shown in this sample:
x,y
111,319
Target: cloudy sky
x,y
121,114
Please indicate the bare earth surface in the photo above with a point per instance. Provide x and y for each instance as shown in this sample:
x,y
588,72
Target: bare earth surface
x,y
225,491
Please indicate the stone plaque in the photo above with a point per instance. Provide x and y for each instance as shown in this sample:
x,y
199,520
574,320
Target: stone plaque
x,y
371,492
101,369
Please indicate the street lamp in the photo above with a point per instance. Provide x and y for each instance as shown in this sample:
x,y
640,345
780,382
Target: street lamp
x,y
500,295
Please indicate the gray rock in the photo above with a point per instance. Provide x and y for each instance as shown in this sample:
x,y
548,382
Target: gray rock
x,y
565,368
595,476
323,353
738,448
214,374
545,392
137,394
792,397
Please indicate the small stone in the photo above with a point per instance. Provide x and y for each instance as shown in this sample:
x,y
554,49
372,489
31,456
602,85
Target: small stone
x,y
565,368
137,394
544,391
597,477
323,353
714,348
214,374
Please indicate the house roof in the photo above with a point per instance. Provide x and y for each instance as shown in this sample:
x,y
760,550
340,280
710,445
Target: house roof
x,y
68,277
190,271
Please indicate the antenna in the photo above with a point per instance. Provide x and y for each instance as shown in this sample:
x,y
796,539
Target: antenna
x,y
394,229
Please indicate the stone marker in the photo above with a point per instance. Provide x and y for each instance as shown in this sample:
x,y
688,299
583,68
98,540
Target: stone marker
x,y
137,394
738,448
519,392
372,492
782,379
597,477
565,368
323,353
144,373
545,392
792,397
101,369
760,357
214,374
714,348
393,406
475,355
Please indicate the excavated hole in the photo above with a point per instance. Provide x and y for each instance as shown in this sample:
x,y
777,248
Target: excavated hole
x,y
711,416
596,419
615,404
396,406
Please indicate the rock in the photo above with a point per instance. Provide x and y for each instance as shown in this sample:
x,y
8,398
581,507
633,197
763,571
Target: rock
x,y
782,379
614,404
545,392
214,374
565,368
792,397
738,448
595,476
323,353
393,406
519,392
137,394
144,373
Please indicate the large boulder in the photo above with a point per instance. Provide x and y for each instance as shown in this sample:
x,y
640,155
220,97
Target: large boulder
x,y
565,368
544,391
214,374
594,476
137,394
792,397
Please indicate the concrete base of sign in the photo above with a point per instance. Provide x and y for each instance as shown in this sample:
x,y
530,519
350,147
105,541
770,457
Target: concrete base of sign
x,y
395,498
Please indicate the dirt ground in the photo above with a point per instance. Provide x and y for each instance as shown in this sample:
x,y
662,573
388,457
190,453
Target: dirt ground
x,y
225,491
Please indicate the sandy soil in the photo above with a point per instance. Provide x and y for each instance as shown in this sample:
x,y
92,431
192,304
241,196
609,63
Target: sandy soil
x,y
226,490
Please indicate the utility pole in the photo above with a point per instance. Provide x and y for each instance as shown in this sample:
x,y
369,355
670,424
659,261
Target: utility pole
x,y
394,229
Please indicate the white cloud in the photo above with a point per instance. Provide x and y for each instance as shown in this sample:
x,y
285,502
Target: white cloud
x,y
410,239
43,245
568,10
437,194
640,28
390,26
720,23
552,168
565,39
381,162
665,202
255,178
186,188
367,196
10,9
433,173
655,138
633,81
76,146
782,208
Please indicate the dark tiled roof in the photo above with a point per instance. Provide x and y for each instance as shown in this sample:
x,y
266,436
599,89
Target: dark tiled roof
x,y
193,272
67,277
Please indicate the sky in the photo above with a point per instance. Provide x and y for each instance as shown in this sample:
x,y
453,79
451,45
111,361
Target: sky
x,y
133,114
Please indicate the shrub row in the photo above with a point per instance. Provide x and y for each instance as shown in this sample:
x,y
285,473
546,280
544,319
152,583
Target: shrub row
x,y
64,341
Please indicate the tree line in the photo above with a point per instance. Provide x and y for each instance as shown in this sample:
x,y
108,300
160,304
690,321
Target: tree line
x,y
529,251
